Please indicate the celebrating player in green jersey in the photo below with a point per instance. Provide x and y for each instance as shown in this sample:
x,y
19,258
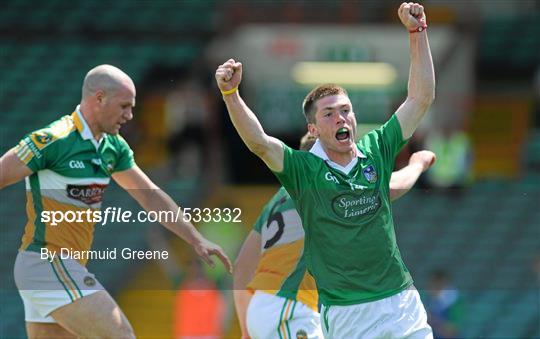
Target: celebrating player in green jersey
x,y
341,191
270,272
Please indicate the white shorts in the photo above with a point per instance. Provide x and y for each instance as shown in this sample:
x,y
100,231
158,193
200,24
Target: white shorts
x,y
270,316
399,316
45,286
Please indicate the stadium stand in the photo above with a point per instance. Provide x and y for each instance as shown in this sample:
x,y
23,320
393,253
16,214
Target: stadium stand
x,y
484,236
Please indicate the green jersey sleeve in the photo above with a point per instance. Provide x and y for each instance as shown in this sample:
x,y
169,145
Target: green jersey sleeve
x,y
388,139
35,149
391,138
125,158
295,168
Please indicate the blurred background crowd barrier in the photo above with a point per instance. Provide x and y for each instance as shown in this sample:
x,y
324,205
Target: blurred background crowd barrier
x,y
470,232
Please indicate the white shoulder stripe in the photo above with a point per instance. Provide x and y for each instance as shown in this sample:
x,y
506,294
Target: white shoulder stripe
x,y
23,153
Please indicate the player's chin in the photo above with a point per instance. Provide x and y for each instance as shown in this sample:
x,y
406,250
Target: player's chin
x,y
345,145
115,130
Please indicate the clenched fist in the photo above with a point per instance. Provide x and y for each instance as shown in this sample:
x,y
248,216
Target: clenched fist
x,y
412,15
229,75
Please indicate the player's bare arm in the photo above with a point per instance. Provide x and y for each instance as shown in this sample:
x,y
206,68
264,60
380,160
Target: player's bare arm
x,y
244,269
421,88
152,198
269,149
12,169
403,180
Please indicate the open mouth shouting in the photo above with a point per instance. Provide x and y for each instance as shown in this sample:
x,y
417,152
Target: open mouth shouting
x,y
343,135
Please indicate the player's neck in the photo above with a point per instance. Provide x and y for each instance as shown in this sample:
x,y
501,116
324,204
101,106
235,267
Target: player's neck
x,y
91,122
341,158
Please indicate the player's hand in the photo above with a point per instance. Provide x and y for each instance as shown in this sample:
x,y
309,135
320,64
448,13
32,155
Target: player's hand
x,y
423,158
229,75
412,15
205,249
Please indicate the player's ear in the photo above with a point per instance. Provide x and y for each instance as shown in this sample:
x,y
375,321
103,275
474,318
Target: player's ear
x,y
312,128
100,96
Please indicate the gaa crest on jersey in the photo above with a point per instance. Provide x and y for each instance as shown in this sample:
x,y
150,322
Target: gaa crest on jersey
x,y
109,163
110,167
370,174
301,334
89,281
42,137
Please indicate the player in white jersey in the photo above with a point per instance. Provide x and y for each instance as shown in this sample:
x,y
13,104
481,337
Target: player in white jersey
x,y
275,296
68,164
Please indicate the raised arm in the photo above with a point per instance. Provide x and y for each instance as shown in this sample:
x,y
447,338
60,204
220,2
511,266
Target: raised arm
x,y
12,169
269,149
152,198
421,88
403,180
244,268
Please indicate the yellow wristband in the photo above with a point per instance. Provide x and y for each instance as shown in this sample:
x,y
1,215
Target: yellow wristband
x,y
231,91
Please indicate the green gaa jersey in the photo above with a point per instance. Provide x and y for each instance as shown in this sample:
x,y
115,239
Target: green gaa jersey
x,y
71,171
350,245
